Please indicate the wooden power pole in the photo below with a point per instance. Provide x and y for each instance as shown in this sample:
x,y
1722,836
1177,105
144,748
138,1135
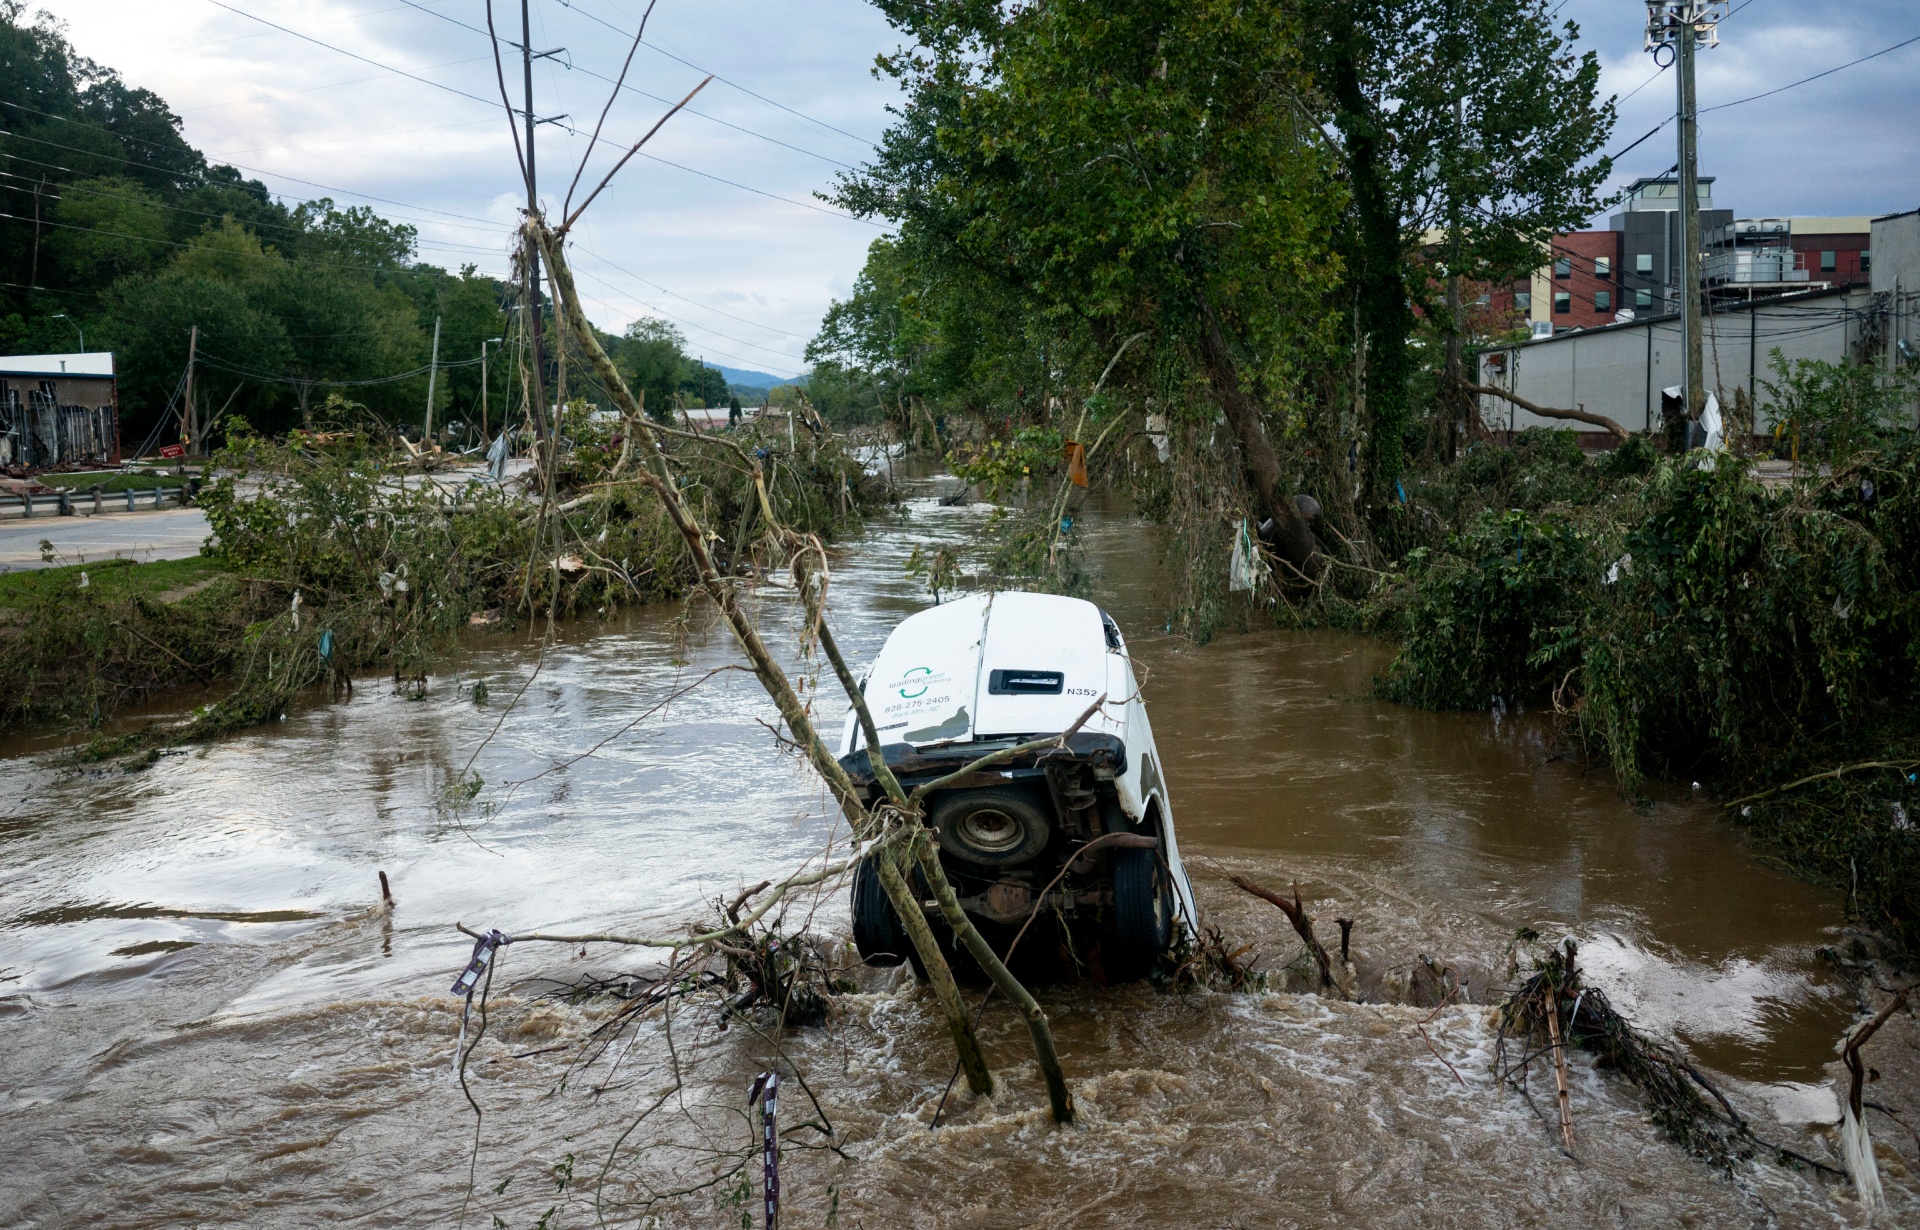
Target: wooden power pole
x,y
433,378
189,428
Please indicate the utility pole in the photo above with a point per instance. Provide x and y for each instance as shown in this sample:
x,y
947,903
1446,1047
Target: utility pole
x,y
532,257
483,382
1689,162
433,377
187,425
1678,26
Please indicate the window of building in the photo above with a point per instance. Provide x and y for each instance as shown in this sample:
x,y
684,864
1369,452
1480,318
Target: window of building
x,y
1603,301
1562,302
1643,298
1643,262
1603,266
1865,264
1563,267
1523,301
1827,261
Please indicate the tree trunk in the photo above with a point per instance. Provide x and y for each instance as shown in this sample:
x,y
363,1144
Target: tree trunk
x,y
1385,318
1578,416
906,904
1057,1093
1292,536
1455,395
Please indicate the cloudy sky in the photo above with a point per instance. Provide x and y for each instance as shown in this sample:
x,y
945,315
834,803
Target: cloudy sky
x,y
392,103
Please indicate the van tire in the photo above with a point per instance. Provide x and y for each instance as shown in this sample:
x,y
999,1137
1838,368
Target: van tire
x,y
1142,913
993,826
877,933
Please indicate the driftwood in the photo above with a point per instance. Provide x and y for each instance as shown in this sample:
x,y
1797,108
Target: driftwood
x,y
1302,924
1564,1094
1578,416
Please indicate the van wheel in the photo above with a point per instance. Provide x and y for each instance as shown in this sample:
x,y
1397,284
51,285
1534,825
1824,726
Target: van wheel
x,y
1142,912
994,826
877,933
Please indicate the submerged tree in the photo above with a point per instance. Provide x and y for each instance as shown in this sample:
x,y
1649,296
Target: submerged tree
x,y
1142,167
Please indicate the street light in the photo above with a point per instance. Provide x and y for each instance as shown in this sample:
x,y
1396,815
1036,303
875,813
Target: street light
x,y
76,328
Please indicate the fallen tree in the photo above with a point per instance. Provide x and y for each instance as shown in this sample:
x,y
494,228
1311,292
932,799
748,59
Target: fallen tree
x,y
1577,416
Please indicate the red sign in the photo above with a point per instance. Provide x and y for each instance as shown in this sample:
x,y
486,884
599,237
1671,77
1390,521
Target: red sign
x,y
173,450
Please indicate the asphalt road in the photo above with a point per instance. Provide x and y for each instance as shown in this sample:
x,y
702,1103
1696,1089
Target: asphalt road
x,y
174,533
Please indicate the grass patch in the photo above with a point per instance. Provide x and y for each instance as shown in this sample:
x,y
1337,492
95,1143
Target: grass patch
x,y
113,578
113,481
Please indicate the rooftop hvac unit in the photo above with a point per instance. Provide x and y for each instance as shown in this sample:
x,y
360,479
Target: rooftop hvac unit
x,y
1542,328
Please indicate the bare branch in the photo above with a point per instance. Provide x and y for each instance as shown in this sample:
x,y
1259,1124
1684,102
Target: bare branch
x,y
1578,416
608,178
612,97
500,75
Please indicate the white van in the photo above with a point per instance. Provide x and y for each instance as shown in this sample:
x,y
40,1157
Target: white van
x,y
990,671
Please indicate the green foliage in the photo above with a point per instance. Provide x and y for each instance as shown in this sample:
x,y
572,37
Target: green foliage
x,y
1477,120
998,466
107,227
1831,411
1694,624
1496,616
652,358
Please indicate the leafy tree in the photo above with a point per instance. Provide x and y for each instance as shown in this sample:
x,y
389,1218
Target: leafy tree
x,y
1141,166
1832,411
1472,116
106,228
652,357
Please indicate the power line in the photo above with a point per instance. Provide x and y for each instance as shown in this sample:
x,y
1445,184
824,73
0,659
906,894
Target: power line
x,y
57,190
492,103
1828,73
571,67
175,243
677,295
708,329
352,55
712,350
1769,93
202,177
863,142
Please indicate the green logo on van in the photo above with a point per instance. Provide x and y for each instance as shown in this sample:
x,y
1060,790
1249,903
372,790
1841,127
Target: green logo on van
x,y
922,675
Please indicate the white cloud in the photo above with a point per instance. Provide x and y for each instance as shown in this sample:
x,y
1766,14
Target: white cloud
x,y
289,111
1845,144
284,108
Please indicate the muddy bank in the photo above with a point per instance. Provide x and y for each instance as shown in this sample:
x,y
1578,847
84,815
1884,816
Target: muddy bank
x,y
207,1023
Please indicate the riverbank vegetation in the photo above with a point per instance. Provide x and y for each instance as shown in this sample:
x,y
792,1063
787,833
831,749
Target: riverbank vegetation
x,y
334,556
1273,268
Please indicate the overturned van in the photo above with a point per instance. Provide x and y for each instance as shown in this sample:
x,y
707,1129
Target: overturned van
x,y
992,671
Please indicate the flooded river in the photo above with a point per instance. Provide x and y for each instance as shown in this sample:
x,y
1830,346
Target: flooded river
x,y
205,1021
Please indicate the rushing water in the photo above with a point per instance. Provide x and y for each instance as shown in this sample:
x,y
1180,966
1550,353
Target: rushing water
x,y
204,1020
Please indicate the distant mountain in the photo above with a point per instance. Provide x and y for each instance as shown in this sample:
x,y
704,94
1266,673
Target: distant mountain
x,y
748,378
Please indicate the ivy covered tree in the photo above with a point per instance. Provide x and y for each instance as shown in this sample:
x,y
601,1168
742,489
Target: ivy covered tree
x,y
1473,123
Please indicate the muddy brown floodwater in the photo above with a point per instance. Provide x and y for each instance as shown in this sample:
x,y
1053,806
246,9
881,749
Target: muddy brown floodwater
x,y
205,1022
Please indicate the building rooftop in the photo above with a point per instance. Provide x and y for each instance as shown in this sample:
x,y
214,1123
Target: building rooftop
x,y
1831,226
94,363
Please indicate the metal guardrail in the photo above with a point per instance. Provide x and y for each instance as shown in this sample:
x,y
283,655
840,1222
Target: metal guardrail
x,y
67,502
